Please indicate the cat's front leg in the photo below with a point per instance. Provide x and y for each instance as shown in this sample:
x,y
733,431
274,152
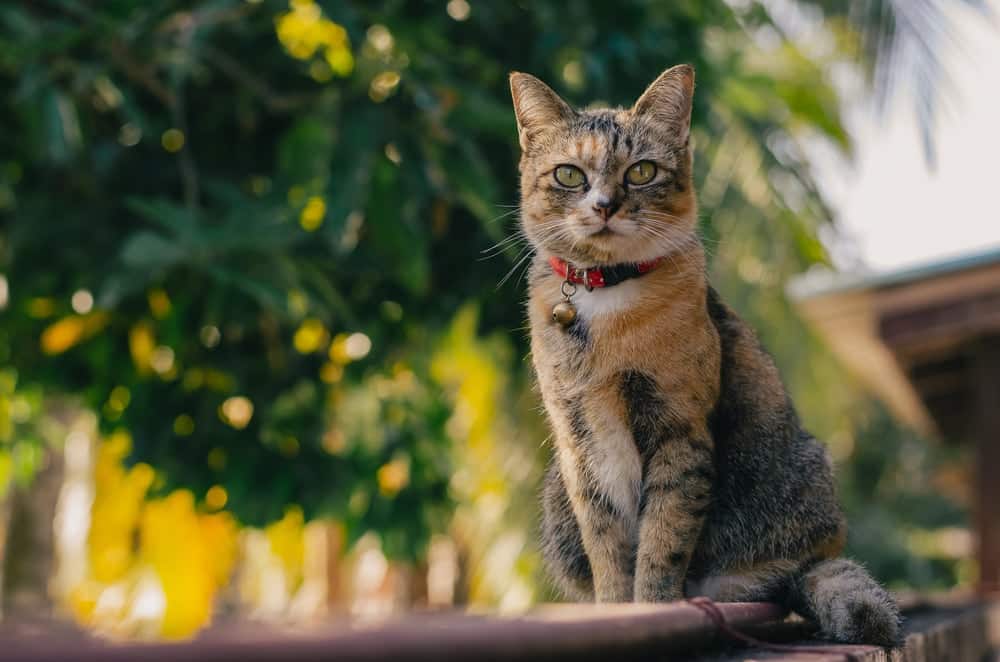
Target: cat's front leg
x,y
676,493
608,536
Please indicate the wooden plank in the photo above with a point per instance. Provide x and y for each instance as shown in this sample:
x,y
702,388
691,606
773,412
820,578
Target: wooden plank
x,y
955,634
953,630
987,433
941,326
591,632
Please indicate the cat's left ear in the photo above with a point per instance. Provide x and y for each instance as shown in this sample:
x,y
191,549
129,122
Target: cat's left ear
x,y
668,100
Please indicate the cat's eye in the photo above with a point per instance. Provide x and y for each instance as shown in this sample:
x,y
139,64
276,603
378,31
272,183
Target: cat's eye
x,y
570,176
641,173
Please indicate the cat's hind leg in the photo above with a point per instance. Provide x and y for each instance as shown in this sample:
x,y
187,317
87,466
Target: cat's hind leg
x,y
562,542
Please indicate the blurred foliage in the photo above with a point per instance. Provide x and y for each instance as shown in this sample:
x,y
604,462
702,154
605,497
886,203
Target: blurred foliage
x,y
21,448
155,566
246,232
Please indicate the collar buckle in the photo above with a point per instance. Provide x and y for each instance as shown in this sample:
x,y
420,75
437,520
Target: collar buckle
x,y
583,275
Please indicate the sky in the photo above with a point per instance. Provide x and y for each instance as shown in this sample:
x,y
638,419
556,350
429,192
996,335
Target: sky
x,y
894,209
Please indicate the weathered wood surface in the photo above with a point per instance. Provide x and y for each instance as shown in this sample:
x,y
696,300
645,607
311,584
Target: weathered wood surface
x,y
571,632
565,631
934,634
987,432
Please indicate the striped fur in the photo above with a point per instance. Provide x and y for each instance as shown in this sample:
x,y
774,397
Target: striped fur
x,y
680,465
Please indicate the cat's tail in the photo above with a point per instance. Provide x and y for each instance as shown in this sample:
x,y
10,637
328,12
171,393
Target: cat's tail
x,y
847,603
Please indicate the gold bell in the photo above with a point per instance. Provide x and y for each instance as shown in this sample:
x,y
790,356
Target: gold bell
x,y
564,313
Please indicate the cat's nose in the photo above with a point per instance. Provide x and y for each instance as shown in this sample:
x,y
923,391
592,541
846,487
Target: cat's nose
x,y
607,206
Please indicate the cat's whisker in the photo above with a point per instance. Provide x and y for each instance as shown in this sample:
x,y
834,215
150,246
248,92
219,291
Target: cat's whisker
x,y
517,264
520,236
502,246
662,215
685,240
515,209
524,271
674,241
673,244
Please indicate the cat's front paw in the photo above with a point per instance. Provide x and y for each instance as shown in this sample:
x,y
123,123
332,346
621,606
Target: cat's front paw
x,y
618,589
658,589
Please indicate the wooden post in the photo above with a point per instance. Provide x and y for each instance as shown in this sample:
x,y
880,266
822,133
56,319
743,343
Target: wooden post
x,y
987,458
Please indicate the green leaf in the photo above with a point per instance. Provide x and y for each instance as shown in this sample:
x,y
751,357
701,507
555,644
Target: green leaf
x,y
171,216
62,127
152,251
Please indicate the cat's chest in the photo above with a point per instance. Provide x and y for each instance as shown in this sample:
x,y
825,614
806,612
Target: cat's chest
x,y
597,305
606,336
602,327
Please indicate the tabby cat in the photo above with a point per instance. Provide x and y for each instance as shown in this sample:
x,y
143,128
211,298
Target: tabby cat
x,y
681,468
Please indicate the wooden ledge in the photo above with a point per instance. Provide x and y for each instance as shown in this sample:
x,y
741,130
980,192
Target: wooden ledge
x,y
967,632
572,632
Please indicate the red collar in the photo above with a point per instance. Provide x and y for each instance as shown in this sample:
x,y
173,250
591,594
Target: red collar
x,y
601,276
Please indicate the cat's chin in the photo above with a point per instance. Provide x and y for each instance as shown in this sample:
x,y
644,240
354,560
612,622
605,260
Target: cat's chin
x,y
593,254
612,247
605,248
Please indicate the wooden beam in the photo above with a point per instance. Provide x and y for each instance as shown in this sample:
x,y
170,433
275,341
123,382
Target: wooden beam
x,y
941,326
987,434
956,631
569,632
934,634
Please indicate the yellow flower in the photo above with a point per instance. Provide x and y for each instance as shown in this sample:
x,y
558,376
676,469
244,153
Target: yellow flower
x,y
172,544
310,336
216,497
304,32
142,344
287,543
67,332
341,60
159,303
62,335
172,140
393,476
313,214
187,555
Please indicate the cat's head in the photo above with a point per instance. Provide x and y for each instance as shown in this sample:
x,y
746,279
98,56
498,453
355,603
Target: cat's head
x,y
603,186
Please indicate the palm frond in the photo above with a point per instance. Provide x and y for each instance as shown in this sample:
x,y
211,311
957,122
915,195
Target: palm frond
x,y
904,41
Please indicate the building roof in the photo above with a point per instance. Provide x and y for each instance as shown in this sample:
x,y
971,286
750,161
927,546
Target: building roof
x,y
909,334
823,283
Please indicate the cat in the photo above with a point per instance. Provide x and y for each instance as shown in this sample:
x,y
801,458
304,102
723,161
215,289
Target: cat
x,y
680,465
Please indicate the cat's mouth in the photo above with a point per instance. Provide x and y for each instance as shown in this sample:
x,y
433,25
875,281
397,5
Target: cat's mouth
x,y
605,231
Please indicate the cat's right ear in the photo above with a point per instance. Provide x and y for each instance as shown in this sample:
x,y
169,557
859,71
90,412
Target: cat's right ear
x,y
536,107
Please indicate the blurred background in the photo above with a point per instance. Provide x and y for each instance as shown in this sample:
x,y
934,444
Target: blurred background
x,y
262,349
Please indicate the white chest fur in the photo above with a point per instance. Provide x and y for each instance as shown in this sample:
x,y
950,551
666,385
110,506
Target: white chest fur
x,y
607,300
612,462
615,463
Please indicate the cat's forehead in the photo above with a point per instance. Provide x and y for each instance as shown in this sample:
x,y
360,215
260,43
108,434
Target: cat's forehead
x,y
597,137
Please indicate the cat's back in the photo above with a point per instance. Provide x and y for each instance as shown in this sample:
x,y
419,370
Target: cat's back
x,y
774,493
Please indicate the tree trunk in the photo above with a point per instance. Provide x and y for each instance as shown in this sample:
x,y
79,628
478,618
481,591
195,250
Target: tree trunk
x,y
29,549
